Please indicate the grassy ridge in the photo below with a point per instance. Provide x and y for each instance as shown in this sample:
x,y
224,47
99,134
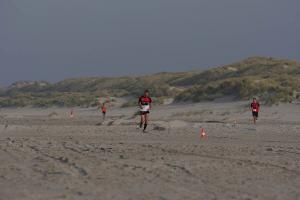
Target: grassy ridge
x,y
269,79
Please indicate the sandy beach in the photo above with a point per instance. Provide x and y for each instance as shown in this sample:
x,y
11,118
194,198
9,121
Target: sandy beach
x,y
44,154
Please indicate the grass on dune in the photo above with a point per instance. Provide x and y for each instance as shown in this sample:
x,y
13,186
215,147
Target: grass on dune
x,y
271,80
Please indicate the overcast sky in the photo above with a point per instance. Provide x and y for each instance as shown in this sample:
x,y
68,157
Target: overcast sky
x,y
56,39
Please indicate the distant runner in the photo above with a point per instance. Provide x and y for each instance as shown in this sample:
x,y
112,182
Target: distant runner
x,y
255,109
103,109
145,107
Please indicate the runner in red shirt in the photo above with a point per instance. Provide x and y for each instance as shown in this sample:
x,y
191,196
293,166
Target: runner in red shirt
x,y
255,109
145,106
103,109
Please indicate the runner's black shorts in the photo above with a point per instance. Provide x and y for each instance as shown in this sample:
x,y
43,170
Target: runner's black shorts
x,y
144,112
255,114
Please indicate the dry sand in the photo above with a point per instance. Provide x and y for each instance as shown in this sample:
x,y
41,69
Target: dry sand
x,y
46,155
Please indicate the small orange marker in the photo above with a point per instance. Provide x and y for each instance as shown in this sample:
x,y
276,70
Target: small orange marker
x,y
202,134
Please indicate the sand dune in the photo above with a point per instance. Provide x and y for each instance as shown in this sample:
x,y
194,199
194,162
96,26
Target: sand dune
x,y
50,156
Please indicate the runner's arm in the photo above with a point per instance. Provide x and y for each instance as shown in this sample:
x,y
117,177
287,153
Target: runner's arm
x,y
140,103
150,104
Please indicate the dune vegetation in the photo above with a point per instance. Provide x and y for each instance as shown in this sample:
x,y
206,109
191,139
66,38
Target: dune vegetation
x,y
271,80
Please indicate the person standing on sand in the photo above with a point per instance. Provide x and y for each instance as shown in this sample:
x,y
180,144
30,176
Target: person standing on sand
x,y
145,107
103,109
255,109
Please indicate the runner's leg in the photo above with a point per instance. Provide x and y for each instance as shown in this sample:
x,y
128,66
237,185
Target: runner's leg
x,y
146,122
142,120
254,118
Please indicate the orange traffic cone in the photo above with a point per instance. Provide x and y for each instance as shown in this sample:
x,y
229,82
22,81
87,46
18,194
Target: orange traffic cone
x,y
202,133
